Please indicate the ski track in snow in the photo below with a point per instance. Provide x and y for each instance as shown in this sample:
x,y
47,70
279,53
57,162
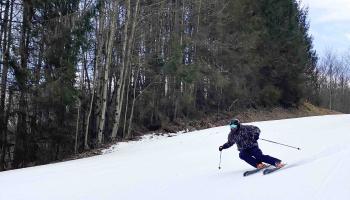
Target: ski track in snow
x,y
186,167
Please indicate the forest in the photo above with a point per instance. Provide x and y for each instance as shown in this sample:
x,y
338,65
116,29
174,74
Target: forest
x,y
77,74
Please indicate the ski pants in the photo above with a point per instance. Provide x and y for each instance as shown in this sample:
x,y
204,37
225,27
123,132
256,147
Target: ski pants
x,y
254,156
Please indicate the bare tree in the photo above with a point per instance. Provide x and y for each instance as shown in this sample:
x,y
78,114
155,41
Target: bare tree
x,y
124,70
7,37
109,47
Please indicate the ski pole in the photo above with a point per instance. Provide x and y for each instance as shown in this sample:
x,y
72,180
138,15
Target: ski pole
x,y
280,144
220,160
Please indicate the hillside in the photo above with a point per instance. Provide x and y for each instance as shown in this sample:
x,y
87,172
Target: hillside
x,y
250,115
186,167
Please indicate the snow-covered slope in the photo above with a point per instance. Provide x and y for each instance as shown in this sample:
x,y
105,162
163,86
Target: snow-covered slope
x,y
186,167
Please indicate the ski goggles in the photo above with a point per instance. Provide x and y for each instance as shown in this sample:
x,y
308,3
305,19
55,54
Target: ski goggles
x,y
233,126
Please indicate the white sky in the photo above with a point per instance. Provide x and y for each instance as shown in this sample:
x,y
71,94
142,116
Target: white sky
x,y
329,24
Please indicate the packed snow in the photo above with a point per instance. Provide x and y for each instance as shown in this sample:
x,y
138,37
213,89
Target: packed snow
x,y
185,166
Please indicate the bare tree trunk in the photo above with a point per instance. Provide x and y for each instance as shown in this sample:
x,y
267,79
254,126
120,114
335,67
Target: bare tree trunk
x,y
77,128
2,29
122,75
82,71
6,46
6,146
330,88
125,62
129,52
86,145
20,74
95,83
196,35
86,77
126,109
5,61
109,45
100,37
128,135
3,19
198,15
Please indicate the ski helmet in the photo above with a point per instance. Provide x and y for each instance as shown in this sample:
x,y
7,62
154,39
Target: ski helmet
x,y
235,123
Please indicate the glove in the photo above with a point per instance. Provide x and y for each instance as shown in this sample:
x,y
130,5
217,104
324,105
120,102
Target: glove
x,y
221,148
256,137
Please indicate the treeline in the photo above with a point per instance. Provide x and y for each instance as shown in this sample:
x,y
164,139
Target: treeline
x,y
76,74
334,81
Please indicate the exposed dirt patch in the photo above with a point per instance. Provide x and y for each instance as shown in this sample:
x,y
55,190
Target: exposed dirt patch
x,y
304,110
251,115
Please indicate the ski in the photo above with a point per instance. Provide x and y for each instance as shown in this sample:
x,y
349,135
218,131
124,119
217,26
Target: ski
x,y
268,171
250,172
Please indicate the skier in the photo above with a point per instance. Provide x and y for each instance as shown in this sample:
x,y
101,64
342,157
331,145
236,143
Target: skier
x,y
246,137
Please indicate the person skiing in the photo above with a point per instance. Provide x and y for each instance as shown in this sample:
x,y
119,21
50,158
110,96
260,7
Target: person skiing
x,y
246,137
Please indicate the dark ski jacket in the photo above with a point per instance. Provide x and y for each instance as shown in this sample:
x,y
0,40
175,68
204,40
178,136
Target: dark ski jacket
x,y
245,137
